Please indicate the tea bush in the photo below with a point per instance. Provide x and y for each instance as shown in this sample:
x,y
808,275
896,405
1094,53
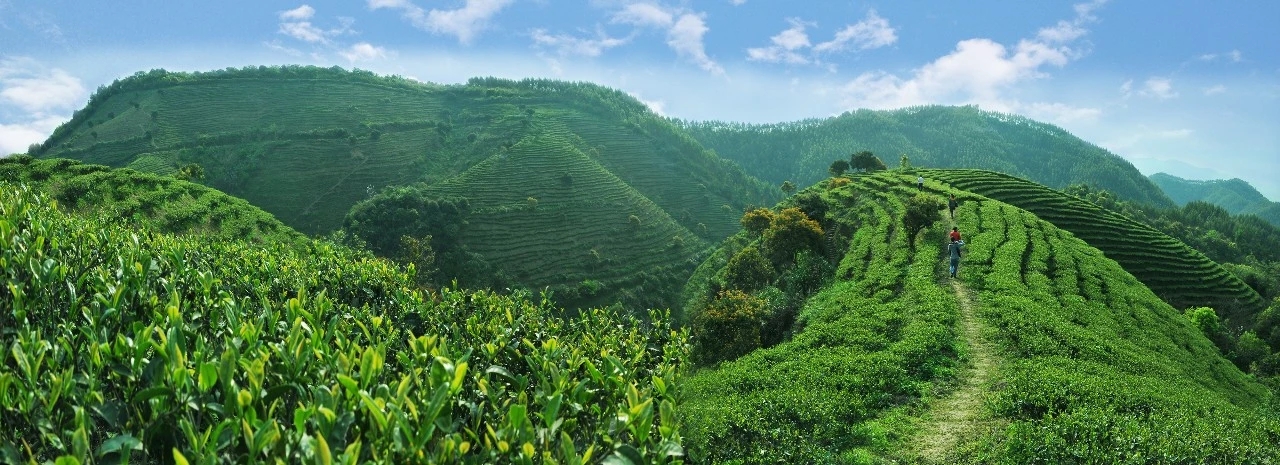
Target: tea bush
x,y
123,344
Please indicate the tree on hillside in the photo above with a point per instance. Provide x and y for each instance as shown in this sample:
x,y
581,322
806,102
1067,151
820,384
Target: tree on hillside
x,y
838,167
904,163
757,220
922,211
866,161
192,172
788,188
791,232
728,328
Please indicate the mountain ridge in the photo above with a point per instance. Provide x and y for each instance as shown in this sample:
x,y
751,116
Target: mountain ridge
x,y
1235,195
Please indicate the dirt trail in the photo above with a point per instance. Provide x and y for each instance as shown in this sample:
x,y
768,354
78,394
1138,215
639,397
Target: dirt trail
x,y
958,415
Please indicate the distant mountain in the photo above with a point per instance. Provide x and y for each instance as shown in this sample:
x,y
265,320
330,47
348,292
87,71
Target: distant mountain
x,y
931,136
306,144
1234,195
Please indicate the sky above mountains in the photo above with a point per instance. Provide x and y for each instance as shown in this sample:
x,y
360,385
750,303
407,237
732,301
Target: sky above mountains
x,y
1191,88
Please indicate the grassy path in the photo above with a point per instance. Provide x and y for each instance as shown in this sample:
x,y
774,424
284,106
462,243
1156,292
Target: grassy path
x,y
958,416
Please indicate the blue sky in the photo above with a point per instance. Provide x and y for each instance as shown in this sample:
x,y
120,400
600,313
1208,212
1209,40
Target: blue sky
x,y
1191,88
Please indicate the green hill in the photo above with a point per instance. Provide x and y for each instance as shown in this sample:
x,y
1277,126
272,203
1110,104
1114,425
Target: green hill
x,y
931,136
307,144
161,202
1180,275
126,345
1044,351
1234,195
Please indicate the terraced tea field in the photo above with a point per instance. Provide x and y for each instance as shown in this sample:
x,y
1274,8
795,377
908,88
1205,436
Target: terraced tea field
x,y
578,225
1090,365
1180,275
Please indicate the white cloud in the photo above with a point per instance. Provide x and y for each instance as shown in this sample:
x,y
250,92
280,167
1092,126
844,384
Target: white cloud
x,y
785,46
295,23
737,2
15,138
872,32
645,15
685,30
1215,90
1063,32
569,45
1084,11
792,45
34,99
656,106
38,90
302,30
981,71
363,51
685,37
1159,88
301,13
1236,56
464,23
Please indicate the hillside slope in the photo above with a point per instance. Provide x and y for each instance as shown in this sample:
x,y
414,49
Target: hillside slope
x,y
166,204
1180,275
307,144
931,136
1091,365
1234,195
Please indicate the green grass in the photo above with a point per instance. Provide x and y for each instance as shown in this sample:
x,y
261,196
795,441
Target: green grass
x,y
1177,273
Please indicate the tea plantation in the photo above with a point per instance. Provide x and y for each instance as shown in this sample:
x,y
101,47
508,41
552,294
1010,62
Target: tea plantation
x,y
1180,275
1092,367
123,344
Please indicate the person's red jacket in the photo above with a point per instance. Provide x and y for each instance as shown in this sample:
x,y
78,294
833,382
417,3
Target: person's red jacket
x,y
955,235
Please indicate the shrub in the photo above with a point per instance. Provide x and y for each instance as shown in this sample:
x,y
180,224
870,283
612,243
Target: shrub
x,y
748,270
922,211
791,232
728,328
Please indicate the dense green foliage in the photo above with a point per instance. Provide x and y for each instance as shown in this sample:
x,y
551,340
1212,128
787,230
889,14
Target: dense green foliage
x,y
1099,369
307,144
166,204
1233,195
1180,275
125,344
1096,368
932,136
870,334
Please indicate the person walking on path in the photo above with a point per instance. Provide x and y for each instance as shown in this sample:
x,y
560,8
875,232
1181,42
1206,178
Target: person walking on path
x,y
920,182
951,205
954,251
954,234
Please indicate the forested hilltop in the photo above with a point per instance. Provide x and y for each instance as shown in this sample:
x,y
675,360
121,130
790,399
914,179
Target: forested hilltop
x,y
543,183
932,136
1234,195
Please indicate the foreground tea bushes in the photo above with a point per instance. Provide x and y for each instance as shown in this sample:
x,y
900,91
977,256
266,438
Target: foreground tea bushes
x,y
124,345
